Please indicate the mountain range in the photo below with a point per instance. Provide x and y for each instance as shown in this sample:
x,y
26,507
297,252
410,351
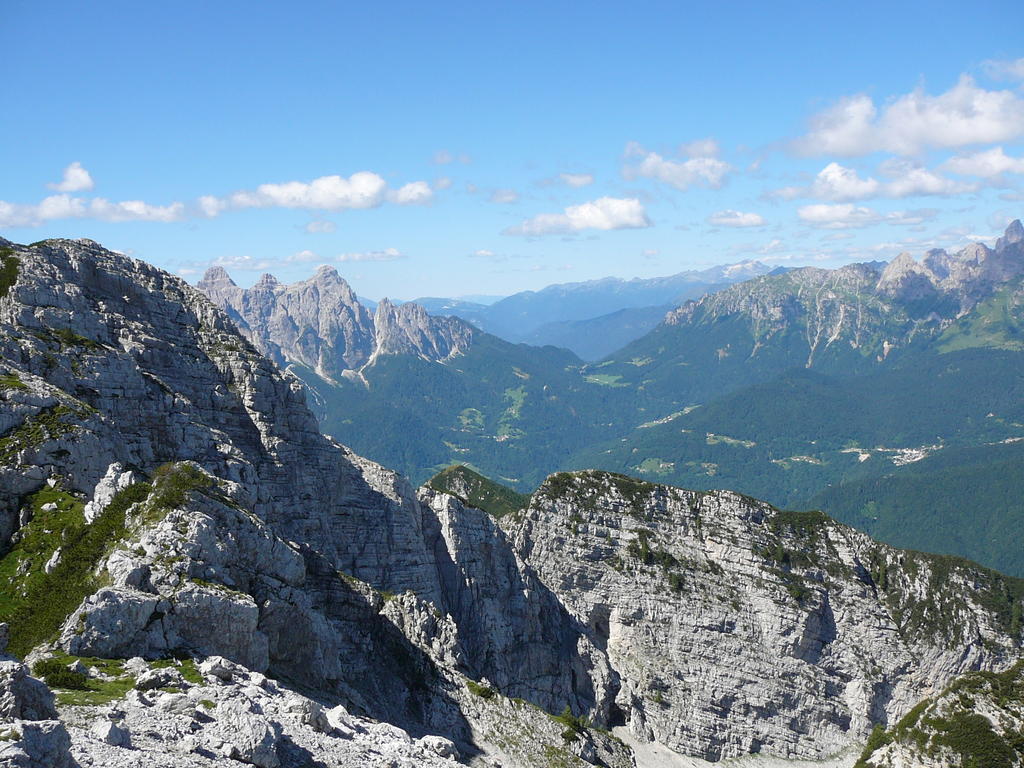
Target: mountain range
x,y
595,317
851,389
195,576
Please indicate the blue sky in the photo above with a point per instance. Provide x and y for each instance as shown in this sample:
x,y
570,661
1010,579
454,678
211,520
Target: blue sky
x,y
456,148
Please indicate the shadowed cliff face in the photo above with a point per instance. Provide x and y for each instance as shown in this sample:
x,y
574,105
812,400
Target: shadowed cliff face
x,y
231,527
320,324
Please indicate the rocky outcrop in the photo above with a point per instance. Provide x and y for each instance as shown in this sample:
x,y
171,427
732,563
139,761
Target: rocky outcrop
x,y
31,736
319,323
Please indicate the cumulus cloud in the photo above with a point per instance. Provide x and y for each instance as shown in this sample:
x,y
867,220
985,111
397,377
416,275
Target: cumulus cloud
x,y
65,206
842,216
361,190
730,218
244,263
988,164
504,196
605,213
74,179
965,114
577,179
837,183
413,193
388,254
704,170
849,216
910,180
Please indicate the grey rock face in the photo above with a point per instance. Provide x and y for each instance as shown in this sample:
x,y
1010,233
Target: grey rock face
x,y
734,628
22,697
320,324
31,736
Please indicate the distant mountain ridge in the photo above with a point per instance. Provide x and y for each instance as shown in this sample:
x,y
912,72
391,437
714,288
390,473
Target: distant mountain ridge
x,y
556,314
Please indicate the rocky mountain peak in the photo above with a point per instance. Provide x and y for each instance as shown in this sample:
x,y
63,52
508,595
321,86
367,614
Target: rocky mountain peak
x,y
906,279
319,323
408,329
216,276
1014,234
267,282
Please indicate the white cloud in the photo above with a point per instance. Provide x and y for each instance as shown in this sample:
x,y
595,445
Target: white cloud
x,y
483,253
65,206
842,216
244,263
388,254
987,164
1004,70
504,196
963,115
698,170
605,213
363,189
849,216
211,206
910,180
413,193
134,210
911,218
443,157
577,179
303,257
75,179
442,182
837,183
730,218
319,226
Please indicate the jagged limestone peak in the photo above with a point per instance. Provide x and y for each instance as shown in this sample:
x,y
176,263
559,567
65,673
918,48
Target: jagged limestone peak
x,y
1014,234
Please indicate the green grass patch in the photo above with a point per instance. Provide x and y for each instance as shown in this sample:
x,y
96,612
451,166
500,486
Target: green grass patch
x,y
56,674
34,603
475,490
483,691
9,266
47,424
78,690
605,379
172,483
12,381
